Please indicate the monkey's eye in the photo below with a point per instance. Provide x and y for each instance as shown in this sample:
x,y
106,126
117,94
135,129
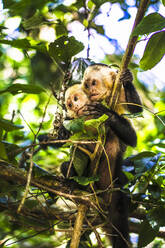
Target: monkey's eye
x,y
69,105
94,82
86,86
75,98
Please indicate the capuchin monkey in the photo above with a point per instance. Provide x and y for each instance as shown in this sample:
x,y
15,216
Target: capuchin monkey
x,y
98,82
119,134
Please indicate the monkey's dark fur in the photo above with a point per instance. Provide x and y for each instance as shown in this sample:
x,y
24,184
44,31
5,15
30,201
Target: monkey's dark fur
x,y
119,136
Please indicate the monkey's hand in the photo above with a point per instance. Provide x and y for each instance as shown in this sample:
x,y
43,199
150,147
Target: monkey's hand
x,y
97,109
126,76
120,126
131,95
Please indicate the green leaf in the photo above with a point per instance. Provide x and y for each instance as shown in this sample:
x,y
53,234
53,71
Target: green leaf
x,y
21,43
23,8
16,8
75,125
33,22
129,176
80,162
26,44
77,68
163,2
61,29
7,187
98,28
151,23
145,161
84,136
98,3
8,126
144,154
64,48
146,234
31,203
155,216
96,122
155,191
85,180
23,88
11,149
154,51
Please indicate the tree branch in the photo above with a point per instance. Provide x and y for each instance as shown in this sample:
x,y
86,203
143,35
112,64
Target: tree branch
x,y
53,184
78,226
128,53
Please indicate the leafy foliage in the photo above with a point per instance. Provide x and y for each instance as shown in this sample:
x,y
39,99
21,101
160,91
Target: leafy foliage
x,y
155,48
151,55
64,48
22,88
151,23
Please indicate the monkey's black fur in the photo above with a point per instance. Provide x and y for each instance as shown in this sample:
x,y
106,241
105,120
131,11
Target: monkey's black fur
x,y
120,125
131,94
119,135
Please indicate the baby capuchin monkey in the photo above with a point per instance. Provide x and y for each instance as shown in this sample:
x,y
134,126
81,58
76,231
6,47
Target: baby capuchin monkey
x,y
76,101
98,83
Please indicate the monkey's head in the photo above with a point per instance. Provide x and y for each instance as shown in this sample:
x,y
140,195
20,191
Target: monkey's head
x,y
98,81
75,101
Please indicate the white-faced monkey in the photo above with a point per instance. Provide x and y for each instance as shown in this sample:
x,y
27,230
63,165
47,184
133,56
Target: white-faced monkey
x,y
98,83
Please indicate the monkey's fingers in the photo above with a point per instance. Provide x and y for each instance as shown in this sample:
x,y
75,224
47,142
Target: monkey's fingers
x,y
91,113
96,110
126,76
100,108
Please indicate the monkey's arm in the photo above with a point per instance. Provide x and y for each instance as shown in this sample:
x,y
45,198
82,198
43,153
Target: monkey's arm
x,y
119,125
131,94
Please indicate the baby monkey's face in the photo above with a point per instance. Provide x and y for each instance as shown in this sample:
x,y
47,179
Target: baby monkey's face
x,y
75,101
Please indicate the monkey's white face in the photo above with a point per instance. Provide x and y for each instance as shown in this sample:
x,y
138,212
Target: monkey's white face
x,y
97,84
75,101
94,87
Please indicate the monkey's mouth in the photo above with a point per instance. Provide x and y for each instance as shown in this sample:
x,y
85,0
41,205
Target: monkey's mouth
x,y
80,111
94,96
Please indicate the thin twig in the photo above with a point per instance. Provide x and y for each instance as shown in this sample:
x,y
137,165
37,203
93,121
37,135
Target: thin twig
x,y
28,181
43,116
100,244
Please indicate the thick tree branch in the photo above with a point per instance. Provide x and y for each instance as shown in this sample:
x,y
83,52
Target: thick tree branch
x,y
53,184
78,226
